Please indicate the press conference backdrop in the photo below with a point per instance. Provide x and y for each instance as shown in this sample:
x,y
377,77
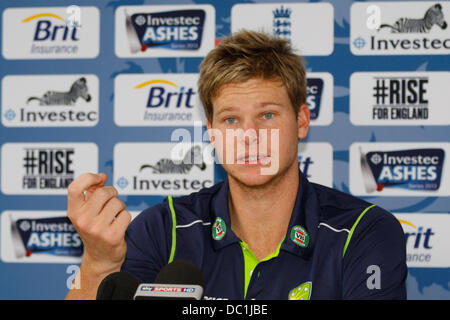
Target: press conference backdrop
x,y
110,86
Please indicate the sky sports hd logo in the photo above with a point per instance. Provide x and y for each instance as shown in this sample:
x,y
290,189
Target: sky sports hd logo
x,y
150,288
408,169
164,30
400,28
51,32
157,100
39,236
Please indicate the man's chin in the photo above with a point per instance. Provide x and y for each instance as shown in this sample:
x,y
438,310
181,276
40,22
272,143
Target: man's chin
x,y
251,177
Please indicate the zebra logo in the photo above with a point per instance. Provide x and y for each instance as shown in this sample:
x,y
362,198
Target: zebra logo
x,y
51,98
192,158
433,16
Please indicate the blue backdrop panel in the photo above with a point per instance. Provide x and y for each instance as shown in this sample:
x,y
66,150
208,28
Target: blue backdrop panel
x,y
49,279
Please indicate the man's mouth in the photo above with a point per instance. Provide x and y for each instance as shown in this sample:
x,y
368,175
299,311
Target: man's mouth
x,y
254,160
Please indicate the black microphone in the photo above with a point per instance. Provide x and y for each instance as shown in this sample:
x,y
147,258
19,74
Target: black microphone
x,y
117,286
179,280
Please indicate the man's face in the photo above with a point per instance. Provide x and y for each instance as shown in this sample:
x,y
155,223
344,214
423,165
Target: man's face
x,y
255,131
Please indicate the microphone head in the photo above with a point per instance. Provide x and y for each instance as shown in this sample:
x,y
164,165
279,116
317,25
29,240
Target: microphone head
x,y
117,286
179,280
180,272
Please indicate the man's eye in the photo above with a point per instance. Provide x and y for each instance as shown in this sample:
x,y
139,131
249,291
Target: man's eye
x,y
268,115
230,120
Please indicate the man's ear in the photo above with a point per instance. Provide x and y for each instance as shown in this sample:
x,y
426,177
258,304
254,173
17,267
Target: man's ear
x,y
210,132
303,120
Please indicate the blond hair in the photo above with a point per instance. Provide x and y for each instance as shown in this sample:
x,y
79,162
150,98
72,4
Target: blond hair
x,y
250,54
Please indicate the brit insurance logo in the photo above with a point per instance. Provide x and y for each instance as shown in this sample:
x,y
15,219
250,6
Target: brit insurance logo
x,y
289,21
315,160
162,168
51,32
157,100
50,101
158,31
39,236
391,28
427,239
399,169
43,168
400,98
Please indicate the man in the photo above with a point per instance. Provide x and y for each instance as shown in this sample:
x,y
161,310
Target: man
x,y
265,232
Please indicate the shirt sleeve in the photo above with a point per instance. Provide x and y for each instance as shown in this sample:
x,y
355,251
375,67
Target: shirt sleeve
x,y
148,243
374,265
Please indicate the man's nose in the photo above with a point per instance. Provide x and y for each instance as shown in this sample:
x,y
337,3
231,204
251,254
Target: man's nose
x,y
250,132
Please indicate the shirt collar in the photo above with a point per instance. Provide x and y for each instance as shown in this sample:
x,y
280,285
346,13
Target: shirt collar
x,y
220,210
304,219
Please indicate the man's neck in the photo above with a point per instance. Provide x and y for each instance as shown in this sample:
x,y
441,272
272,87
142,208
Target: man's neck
x,y
260,216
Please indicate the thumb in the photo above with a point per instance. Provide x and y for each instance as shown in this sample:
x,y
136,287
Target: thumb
x,y
92,188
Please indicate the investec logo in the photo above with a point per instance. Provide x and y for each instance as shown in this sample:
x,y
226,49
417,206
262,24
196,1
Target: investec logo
x,y
50,100
157,99
49,33
426,238
417,170
161,30
39,236
400,28
399,98
162,168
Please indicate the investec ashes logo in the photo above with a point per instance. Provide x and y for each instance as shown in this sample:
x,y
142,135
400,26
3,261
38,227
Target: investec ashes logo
x,y
47,168
172,30
55,236
314,91
416,169
400,98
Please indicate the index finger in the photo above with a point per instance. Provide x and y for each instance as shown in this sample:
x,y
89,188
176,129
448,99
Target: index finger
x,y
75,191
